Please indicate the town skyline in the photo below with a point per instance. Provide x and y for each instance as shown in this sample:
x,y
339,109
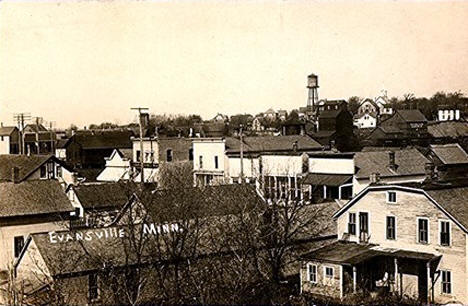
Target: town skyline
x,y
195,61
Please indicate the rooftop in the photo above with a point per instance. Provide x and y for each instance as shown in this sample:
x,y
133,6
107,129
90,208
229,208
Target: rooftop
x,y
7,130
25,164
408,162
448,129
453,200
33,198
103,195
411,115
272,144
450,154
104,139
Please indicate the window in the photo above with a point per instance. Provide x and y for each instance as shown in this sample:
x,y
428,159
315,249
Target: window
x,y
446,282
201,161
93,290
168,155
444,233
352,224
391,197
391,228
423,231
328,271
190,154
312,273
43,171
138,155
19,244
216,162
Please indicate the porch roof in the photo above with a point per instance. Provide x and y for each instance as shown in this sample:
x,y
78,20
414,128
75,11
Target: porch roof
x,y
351,253
327,179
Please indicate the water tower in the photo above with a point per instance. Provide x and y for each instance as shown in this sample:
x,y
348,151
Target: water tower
x,y
312,85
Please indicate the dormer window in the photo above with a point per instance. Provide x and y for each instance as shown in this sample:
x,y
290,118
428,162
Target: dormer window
x,y
391,197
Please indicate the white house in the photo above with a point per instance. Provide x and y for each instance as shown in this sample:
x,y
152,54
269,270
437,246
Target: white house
x,y
118,166
448,114
209,161
9,140
399,240
385,108
366,120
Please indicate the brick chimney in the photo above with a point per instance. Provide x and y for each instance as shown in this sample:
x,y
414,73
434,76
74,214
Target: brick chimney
x,y
391,161
15,175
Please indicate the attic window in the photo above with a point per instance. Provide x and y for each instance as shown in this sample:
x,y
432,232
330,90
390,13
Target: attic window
x,y
391,197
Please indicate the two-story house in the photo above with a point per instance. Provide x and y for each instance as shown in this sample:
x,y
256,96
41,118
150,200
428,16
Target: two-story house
x,y
118,166
406,241
29,207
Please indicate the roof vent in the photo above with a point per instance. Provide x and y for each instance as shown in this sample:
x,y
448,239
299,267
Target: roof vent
x,y
391,161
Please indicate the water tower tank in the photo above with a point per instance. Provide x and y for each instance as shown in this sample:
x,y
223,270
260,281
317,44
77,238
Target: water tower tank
x,y
312,81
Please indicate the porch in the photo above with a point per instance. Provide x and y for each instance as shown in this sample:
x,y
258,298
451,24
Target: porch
x,y
372,269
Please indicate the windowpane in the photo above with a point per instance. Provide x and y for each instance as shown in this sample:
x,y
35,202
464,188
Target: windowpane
x,y
352,224
391,227
444,233
447,282
19,244
312,273
328,272
423,230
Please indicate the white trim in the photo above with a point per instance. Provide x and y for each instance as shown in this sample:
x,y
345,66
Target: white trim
x,y
428,230
356,228
308,273
358,221
439,222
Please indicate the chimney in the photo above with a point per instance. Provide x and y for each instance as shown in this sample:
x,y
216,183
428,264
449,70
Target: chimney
x,y
429,170
15,175
374,178
295,146
391,161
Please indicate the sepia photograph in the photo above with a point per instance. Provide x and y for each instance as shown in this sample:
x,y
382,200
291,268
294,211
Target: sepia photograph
x,y
257,152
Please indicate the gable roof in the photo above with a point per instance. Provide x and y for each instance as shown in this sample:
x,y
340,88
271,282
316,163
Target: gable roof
x,y
450,154
411,115
7,130
449,200
272,144
327,114
103,195
408,161
33,198
26,165
62,143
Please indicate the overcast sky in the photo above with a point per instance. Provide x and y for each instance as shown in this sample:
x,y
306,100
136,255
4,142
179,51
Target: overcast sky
x,y
89,62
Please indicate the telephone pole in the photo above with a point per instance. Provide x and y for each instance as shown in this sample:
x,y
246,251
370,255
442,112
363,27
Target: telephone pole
x,y
20,118
140,121
241,154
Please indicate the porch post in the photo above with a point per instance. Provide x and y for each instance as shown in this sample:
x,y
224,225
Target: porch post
x,y
396,287
341,282
429,282
339,192
324,191
354,278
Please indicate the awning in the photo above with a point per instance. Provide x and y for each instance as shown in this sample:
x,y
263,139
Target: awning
x,y
327,179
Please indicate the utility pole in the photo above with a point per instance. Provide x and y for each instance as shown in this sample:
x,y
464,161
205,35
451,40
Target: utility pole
x,y
38,144
241,154
142,162
20,118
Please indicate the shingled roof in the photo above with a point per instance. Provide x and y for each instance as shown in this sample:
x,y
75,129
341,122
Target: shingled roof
x,y
450,154
103,195
262,144
33,198
408,161
411,115
453,200
448,129
25,164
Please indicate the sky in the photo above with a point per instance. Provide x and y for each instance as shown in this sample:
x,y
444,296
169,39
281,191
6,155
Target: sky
x,y
91,61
